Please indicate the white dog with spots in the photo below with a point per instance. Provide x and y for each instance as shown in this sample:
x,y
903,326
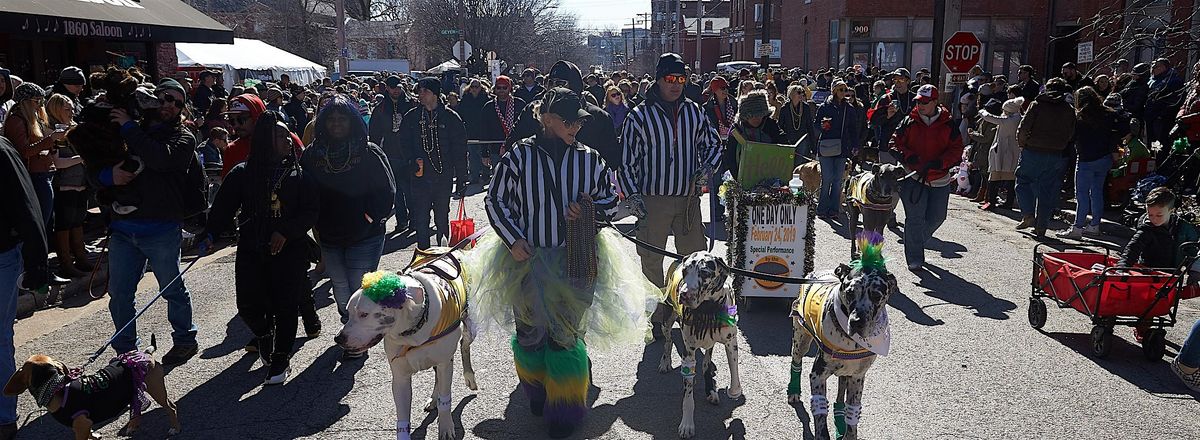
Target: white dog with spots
x,y
420,315
698,291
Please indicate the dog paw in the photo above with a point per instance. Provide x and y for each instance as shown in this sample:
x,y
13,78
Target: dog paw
x,y
795,398
469,377
822,433
713,398
736,393
445,427
686,430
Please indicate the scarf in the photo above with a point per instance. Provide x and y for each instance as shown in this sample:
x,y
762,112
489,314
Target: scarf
x,y
506,117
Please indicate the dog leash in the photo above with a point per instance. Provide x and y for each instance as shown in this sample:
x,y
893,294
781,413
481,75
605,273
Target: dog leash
x,y
139,314
739,271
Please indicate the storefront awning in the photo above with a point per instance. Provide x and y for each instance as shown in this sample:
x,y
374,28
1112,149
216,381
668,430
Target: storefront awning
x,y
126,20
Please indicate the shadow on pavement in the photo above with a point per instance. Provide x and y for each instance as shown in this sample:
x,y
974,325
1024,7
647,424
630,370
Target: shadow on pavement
x,y
948,249
911,310
236,337
953,289
421,430
655,406
1126,361
307,404
767,327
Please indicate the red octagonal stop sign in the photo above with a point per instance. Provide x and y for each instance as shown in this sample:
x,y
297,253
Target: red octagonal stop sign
x,y
963,51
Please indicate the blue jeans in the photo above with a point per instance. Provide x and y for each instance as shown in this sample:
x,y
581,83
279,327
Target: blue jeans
x,y
1189,354
1039,179
924,211
10,268
346,266
127,258
1089,190
830,197
43,186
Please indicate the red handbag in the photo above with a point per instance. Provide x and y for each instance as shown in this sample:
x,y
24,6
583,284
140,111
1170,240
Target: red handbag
x,y
463,227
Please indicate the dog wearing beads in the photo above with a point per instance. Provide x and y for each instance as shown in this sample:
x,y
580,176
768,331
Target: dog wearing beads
x,y
845,314
700,298
420,314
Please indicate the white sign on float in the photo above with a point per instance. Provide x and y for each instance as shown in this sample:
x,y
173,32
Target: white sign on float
x,y
776,238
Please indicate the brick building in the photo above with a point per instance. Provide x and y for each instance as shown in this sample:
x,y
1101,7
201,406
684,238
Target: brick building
x,y
1041,33
746,26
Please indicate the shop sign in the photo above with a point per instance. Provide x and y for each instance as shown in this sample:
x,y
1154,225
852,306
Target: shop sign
x,y
84,29
860,29
125,3
776,242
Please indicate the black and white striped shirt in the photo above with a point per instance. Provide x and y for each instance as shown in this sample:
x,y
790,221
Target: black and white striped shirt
x,y
663,150
531,188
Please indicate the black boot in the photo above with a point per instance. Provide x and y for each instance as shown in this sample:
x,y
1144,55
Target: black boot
x,y
266,346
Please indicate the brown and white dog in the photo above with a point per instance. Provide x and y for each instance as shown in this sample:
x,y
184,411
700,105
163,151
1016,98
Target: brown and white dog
x,y
699,289
81,402
420,323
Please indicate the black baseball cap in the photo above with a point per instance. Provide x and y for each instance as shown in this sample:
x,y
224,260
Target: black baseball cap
x,y
392,81
565,103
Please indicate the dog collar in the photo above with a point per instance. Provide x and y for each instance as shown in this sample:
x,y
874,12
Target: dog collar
x,y
420,322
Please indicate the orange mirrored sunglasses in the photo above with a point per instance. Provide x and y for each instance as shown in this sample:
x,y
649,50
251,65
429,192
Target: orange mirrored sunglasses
x,y
676,79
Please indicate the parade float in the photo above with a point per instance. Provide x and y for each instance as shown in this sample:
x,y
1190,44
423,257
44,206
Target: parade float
x,y
769,220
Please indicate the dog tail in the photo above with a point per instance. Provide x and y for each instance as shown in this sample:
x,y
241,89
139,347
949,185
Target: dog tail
x,y
153,345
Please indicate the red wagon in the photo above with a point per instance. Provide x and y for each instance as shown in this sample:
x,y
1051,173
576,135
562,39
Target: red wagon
x,y
1109,295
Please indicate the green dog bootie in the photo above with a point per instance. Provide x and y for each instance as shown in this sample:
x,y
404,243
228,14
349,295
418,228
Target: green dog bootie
x,y
839,418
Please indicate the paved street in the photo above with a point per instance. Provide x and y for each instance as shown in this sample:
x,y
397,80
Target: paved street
x,y
964,364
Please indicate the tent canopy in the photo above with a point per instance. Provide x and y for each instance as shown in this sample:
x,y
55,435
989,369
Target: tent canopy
x,y
249,55
446,66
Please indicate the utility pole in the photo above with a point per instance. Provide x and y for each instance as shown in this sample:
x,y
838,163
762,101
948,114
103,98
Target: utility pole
x,y
633,25
343,52
946,21
699,33
677,25
766,34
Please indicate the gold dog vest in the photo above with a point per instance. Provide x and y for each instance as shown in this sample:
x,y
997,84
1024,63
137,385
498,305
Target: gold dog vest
x,y
811,311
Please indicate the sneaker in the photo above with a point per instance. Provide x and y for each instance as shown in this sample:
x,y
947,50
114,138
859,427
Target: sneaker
x,y
1192,379
1026,222
266,346
180,354
252,346
916,267
278,373
1092,230
986,206
1072,232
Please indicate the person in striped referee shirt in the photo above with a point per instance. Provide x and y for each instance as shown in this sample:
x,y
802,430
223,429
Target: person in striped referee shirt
x,y
670,149
524,273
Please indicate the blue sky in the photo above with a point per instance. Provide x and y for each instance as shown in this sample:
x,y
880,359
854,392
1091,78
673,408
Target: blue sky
x,y
600,14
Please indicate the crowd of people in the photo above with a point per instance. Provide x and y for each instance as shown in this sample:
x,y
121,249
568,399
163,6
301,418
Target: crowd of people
x,y
340,158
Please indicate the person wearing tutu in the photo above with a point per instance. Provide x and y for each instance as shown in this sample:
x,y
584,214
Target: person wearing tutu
x,y
547,273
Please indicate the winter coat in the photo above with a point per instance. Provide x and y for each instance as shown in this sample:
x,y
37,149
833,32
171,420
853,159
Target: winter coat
x,y
1133,98
1004,152
526,94
1099,135
17,131
617,113
386,121
797,122
843,124
1159,246
882,126
1189,115
981,141
470,108
1048,125
723,118
930,149
1165,95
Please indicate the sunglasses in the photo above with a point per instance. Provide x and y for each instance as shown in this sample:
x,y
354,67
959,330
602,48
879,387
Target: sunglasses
x,y
614,95
237,119
556,82
675,79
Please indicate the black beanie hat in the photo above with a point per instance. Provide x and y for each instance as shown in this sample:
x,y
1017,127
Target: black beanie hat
x,y
431,84
670,64
566,71
170,84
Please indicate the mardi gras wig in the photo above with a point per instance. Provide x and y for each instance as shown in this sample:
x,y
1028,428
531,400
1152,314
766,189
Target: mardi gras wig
x,y
385,288
870,245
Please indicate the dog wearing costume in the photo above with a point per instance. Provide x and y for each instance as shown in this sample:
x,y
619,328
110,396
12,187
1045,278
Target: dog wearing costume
x,y
420,315
846,315
699,295
873,194
80,401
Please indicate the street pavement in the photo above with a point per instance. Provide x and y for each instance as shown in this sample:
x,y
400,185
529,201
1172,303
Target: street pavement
x,y
964,364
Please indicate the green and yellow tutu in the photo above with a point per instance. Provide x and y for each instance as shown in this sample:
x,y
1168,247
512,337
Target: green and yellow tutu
x,y
537,293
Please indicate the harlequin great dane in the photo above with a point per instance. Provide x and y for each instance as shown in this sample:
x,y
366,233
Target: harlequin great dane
x,y
699,294
420,314
846,315
873,193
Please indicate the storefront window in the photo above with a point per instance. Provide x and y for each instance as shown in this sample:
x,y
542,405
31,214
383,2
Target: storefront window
x,y
922,29
833,42
922,56
978,26
891,55
890,28
1009,30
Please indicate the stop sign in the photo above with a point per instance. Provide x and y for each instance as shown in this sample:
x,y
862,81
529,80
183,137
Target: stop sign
x,y
963,51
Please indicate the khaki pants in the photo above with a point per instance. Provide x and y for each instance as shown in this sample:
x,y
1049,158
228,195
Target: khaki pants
x,y
668,215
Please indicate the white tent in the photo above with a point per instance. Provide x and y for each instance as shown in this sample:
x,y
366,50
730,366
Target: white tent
x,y
252,56
441,68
